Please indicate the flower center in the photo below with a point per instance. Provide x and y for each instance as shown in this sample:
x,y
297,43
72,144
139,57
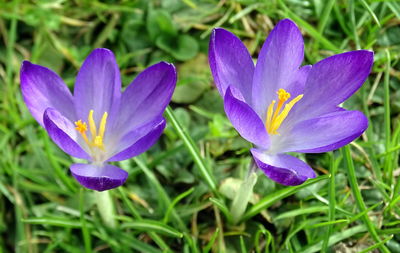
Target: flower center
x,y
275,118
96,140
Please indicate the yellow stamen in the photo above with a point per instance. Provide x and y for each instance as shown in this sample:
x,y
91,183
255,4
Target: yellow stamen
x,y
81,127
103,123
92,124
273,122
96,137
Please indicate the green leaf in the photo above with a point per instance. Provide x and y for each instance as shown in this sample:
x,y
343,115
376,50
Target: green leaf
x,y
154,226
269,200
183,47
159,22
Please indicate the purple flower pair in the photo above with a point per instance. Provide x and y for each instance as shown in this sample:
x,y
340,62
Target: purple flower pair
x,y
99,123
277,105
282,107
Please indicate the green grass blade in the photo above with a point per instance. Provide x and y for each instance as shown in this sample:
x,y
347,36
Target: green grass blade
x,y
269,200
358,197
332,202
151,225
85,230
193,150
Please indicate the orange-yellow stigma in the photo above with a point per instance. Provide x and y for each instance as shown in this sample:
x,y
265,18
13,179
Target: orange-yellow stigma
x,y
275,118
96,136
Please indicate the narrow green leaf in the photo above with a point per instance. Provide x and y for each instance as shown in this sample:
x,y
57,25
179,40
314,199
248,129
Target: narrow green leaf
x,y
151,225
223,208
209,245
358,197
302,211
269,200
58,222
377,245
193,150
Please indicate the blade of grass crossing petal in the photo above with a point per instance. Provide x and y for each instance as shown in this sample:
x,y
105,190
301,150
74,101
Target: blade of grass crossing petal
x,y
152,225
332,202
209,245
85,231
388,168
193,150
351,175
269,200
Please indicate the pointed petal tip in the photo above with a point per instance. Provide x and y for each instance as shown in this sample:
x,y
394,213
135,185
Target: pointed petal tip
x,y
99,178
170,66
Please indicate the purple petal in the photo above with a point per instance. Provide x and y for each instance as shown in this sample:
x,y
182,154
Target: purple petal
x,y
278,65
147,96
139,140
98,86
325,133
41,89
63,133
282,168
331,81
245,120
230,63
99,178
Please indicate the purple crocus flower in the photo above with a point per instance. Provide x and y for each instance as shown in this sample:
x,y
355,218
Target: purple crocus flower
x,y
99,123
282,107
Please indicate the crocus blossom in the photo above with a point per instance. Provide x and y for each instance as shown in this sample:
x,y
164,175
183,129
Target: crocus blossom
x,y
281,106
98,122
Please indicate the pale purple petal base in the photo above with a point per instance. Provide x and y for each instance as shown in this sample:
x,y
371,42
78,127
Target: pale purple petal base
x,y
99,178
282,168
141,140
325,133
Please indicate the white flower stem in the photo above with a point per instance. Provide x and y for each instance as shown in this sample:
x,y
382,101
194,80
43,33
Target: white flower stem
x,y
243,195
106,208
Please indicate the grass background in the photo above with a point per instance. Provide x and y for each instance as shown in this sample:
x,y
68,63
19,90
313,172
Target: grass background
x,y
178,194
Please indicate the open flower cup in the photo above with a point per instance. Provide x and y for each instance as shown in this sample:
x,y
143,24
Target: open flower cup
x,y
99,123
281,106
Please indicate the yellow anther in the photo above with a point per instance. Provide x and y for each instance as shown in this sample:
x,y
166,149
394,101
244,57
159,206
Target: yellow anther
x,y
96,137
275,118
283,95
80,126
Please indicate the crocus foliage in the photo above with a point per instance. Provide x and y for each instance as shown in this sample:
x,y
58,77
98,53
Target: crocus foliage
x,y
98,122
281,106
